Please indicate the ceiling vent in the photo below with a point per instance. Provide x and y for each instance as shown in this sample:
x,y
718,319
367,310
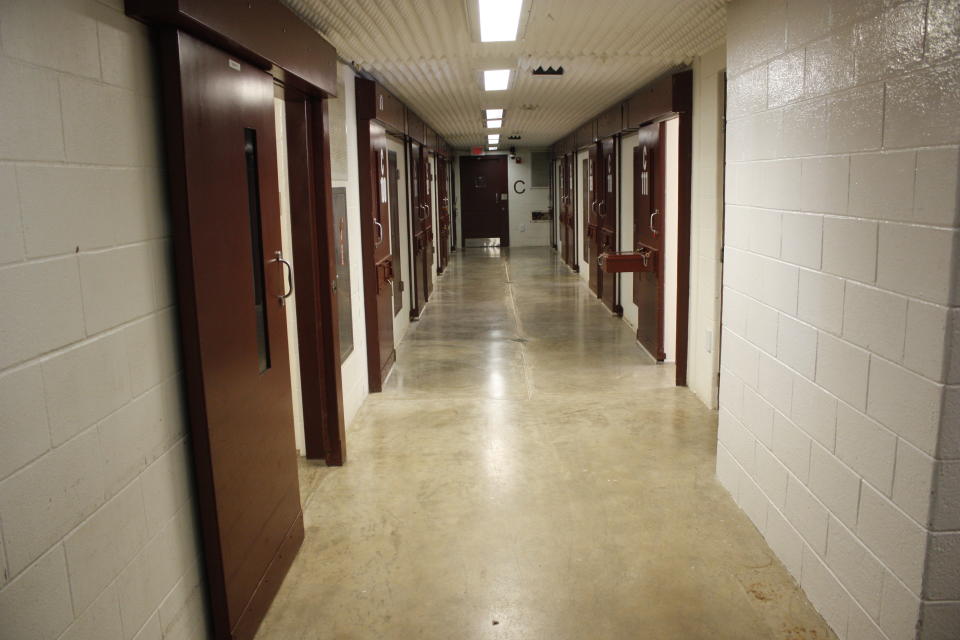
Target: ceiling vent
x,y
513,137
548,72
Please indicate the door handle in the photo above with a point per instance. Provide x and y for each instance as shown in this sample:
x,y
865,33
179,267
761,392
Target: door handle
x,y
655,213
278,257
379,240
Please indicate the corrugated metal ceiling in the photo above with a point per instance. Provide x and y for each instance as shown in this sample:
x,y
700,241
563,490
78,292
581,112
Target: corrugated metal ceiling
x,y
423,51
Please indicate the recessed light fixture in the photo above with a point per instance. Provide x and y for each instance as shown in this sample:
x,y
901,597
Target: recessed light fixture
x,y
496,79
491,148
494,124
493,138
493,114
499,20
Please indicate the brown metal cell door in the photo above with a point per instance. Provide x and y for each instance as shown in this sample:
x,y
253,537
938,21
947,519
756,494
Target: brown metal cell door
x,y
231,284
607,215
585,206
382,257
571,213
428,237
649,193
393,180
591,243
415,170
483,198
566,216
443,216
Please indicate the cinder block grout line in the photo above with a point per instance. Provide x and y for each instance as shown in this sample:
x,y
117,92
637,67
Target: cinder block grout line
x,y
828,331
840,154
826,509
46,356
727,371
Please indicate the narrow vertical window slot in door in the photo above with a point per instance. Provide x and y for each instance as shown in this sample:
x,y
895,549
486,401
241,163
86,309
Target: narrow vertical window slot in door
x,y
256,240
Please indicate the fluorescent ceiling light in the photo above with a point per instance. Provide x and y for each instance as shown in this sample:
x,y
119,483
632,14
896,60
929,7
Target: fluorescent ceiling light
x,y
496,79
491,148
493,114
494,124
493,138
499,20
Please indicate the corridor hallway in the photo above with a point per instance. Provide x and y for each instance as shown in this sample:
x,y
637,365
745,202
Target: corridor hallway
x,y
528,472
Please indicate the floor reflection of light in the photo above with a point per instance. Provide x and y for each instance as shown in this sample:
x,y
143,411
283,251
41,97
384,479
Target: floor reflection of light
x,y
499,453
496,384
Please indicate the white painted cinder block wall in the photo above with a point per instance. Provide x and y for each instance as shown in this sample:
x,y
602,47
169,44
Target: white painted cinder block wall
x,y
524,232
839,416
97,530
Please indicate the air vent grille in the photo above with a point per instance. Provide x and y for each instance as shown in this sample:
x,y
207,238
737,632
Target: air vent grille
x,y
549,71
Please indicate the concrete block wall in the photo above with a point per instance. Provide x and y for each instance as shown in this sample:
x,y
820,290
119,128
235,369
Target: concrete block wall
x,y
97,530
839,426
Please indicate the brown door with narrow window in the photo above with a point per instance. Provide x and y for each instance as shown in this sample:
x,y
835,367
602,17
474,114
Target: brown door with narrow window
x,y
232,280
443,216
585,204
591,243
417,216
569,168
428,238
649,192
483,197
379,220
393,182
564,210
607,214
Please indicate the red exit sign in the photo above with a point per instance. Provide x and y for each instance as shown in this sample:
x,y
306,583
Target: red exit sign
x,y
476,151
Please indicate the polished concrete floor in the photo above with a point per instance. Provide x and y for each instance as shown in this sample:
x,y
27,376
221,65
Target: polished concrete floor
x,y
529,473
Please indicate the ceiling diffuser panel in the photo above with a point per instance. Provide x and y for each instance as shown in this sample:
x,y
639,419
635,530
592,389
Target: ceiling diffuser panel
x,y
424,52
